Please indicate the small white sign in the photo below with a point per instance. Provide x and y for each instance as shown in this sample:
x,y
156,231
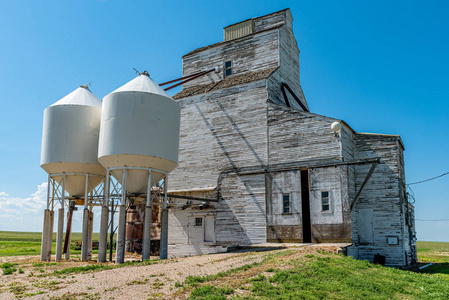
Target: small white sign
x,y
392,240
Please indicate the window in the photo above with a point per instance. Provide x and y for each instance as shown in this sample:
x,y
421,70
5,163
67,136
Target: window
x,y
228,68
286,204
325,201
199,222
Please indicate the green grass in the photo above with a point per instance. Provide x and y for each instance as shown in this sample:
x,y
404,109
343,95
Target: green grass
x,y
322,276
15,243
433,252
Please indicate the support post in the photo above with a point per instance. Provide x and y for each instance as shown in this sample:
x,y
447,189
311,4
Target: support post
x,y
120,251
102,246
50,234
85,233
111,237
146,247
103,240
90,232
45,233
60,236
68,234
164,225
164,234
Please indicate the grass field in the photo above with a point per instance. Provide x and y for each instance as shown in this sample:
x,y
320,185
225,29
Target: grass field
x,y
14,243
316,276
433,252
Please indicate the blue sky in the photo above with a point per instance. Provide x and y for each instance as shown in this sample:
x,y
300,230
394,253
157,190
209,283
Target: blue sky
x,y
382,66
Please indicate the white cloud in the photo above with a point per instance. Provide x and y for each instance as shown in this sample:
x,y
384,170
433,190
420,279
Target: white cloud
x,y
26,214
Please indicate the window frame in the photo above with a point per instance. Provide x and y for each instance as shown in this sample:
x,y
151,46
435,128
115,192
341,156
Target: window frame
x,y
225,69
289,212
198,222
329,210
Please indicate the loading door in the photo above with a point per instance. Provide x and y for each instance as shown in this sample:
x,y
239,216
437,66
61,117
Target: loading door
x,y
209,229
305,205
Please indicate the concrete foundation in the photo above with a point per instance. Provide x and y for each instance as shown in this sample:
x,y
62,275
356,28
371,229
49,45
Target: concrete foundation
x,y
120,252
147,233
69,239
45,233
102,247
85,235
90,232
164,235
60,236
50,234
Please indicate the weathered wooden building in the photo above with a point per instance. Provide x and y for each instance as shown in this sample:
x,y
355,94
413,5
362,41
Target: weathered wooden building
x,y
271,170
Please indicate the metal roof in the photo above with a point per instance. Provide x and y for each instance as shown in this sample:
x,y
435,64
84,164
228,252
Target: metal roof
x,y
142,83
81,96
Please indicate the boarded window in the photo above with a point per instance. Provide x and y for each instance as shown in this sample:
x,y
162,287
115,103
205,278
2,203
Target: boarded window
x,y
325,201
228,68
365,224
199,222
209,229
286,203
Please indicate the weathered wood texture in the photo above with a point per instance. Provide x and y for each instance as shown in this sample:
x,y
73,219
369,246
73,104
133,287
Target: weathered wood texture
x,y
248,126
334,225
382,196
241,217
284,227
273,20
299,136
222,130
288,71
248,54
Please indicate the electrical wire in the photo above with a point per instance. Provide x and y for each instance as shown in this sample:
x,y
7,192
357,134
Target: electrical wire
x,y
429,179
432,220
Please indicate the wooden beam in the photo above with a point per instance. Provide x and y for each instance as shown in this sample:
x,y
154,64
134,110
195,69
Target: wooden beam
x,y
370,172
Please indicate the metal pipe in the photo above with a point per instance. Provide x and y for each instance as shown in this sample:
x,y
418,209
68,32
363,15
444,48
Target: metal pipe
x,y
146,247
48,191
189,79
191,75
86,191
111,236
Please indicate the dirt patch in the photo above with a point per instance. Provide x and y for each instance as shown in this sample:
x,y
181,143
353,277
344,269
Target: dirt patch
x,y
160,280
